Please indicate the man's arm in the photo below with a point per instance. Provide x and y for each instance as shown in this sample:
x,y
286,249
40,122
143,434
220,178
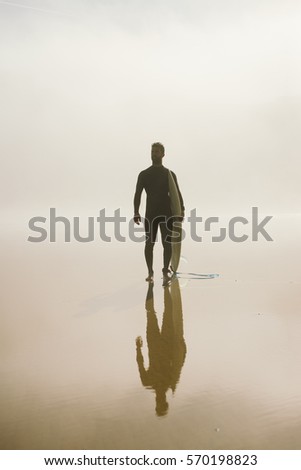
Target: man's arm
x,y
140,361
137,199
180,195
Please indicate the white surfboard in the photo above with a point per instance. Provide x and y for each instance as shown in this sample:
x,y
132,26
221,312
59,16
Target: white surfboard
x,y
177,226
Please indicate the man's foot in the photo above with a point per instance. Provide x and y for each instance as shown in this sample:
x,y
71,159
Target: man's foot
x,y
150,277
166,280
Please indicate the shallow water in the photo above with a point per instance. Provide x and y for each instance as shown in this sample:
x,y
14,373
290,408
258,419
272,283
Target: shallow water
x,y
223,372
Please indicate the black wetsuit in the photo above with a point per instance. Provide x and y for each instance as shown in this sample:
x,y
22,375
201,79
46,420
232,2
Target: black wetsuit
x,y
158,210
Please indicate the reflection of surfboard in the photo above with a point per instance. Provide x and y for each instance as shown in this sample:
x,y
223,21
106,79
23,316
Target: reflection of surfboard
x,y
177,226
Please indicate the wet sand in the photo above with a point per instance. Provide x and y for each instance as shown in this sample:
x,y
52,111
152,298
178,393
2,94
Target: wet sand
x,y
227,361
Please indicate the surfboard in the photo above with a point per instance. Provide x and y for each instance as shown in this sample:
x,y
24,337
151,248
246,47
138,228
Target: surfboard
x,y
177,226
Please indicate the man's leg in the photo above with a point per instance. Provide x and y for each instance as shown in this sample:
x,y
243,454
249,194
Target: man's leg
x,y
151,229
166,234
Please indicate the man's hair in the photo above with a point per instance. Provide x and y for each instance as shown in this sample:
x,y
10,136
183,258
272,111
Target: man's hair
x,y
158,144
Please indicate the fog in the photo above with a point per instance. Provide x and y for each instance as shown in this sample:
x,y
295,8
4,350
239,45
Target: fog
x,y
87,86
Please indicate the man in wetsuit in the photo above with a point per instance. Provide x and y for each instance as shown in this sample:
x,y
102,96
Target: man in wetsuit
x,y
158,209
166,346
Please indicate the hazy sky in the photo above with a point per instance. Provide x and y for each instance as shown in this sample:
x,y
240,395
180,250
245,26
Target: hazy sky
x,y
87,86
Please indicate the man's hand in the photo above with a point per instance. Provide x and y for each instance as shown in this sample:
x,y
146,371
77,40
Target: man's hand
x,y
139,342
137,219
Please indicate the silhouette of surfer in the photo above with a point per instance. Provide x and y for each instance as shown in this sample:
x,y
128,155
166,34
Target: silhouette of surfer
x,y
166,348
154,180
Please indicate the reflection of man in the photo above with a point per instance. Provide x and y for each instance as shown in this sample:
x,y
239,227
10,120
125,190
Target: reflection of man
x,y
158,209
166,348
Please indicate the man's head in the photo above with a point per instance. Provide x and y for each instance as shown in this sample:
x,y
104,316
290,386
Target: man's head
x,y
157,153
161,402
